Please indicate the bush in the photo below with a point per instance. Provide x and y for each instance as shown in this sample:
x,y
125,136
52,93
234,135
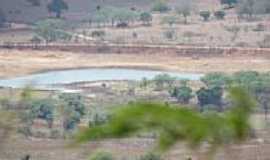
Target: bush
x,y
170,34
98,33
150,156
215,79
220,14
183,94
160,6
210,96
43,109
146,18
34,2
163,80
205,15
73,109
170,20
102,156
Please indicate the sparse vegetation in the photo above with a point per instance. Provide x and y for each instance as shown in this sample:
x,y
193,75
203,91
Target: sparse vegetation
x,y
160,6
2,18
52,30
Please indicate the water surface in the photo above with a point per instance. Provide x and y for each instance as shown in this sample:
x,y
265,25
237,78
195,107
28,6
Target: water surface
x,y
49,79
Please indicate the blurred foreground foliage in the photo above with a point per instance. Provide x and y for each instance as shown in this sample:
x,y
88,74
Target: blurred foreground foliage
x,y
174,124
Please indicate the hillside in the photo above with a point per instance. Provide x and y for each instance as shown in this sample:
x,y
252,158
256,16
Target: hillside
x,y
23,11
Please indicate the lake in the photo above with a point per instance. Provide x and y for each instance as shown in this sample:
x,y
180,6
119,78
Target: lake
x,y
49,79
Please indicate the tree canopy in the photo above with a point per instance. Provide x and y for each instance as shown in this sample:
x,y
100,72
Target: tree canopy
x,y
57,6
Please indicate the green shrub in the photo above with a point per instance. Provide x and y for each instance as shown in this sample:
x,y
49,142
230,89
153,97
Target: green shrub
x,y
215,79
220,14
170,34
150,156
98,33
182,93
73,109
146,18
101,156
160,6
205,15
170,20
163,80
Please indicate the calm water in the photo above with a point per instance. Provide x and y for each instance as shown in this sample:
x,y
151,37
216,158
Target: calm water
x,y
48,79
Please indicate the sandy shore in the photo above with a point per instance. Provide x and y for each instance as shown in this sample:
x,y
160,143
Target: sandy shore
x,y
17,63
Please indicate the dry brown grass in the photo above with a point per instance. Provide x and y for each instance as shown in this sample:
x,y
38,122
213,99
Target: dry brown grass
x,y
17,63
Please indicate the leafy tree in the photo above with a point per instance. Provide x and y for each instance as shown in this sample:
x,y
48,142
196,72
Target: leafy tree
x,y
220,14
150,156
34,2
253,7
209,96
124,15
43,109
174,124
246,7
170,20
73,108
215,79
184,9
146,18
160,6
182,93
246,79
163,80
205,15
57,6
2,18
229,2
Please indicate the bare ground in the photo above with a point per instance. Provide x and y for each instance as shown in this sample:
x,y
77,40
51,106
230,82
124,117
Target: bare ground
x,y
17,63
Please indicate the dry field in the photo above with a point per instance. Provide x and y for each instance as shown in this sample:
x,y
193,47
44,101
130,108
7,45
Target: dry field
x,y
17,63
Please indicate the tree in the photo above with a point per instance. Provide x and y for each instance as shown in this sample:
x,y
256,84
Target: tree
x,y
184,9
150,156
215,80
57,6
2,18
163,80
209,96
205,15
219,14
182,93
174,124
146,18
160,6
246,7
34,2
170,20
253,7
229,2
73,109
43,109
